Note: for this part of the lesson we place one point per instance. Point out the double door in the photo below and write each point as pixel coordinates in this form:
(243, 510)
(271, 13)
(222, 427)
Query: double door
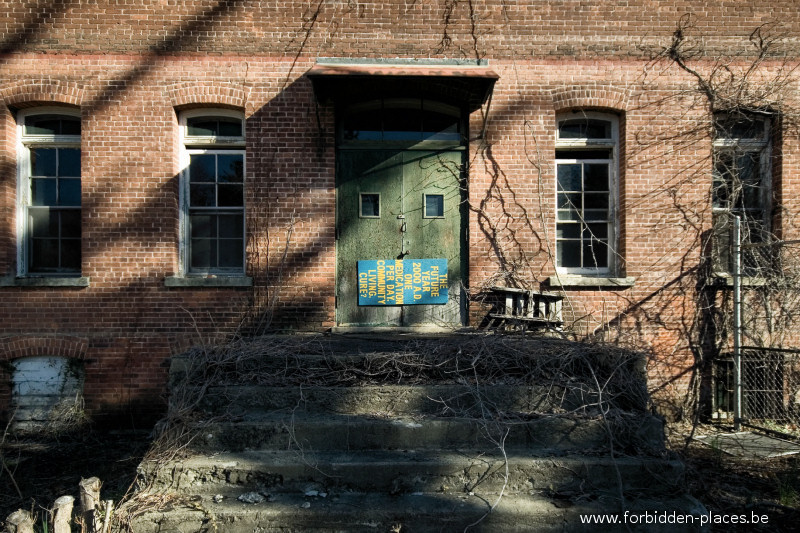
(404, 209)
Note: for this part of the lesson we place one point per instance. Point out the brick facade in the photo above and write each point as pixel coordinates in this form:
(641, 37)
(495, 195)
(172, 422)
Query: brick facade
(131, 67)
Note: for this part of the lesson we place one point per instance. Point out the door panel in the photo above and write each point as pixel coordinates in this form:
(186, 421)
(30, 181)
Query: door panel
(366, 172)
(433, 203)
(419, 217)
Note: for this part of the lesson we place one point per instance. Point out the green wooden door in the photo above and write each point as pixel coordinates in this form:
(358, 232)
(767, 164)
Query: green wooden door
(399, 204)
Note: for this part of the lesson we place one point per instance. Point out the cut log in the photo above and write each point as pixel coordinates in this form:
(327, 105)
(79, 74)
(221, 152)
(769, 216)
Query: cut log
(19, 522)
(90, 497)
(62, 514)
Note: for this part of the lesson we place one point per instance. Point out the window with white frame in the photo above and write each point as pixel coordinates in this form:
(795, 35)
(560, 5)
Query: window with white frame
(49, 192)
(587, 146)
(741, 184)
(212, 187)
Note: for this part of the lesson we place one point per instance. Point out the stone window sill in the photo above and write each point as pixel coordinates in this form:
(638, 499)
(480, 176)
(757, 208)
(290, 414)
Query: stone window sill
(591, 281)
(208, 281)
(44, 281)
(726, 280)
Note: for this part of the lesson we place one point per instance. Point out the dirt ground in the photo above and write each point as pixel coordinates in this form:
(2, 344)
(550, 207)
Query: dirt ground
(729, 485)
(35, 471)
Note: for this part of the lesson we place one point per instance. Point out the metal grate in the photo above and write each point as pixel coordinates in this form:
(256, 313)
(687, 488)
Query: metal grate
(770, 387)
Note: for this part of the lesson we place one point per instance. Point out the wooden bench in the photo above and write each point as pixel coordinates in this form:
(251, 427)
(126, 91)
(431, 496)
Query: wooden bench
(524, 309)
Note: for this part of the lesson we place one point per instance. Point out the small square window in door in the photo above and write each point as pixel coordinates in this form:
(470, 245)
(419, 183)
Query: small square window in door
(370, 205)
(434, 206)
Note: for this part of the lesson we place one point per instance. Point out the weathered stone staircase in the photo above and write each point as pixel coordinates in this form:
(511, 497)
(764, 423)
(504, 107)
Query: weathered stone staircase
(413, 456)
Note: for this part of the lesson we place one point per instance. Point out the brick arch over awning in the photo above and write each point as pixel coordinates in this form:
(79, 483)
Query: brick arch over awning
(467, 84)
(39, 91)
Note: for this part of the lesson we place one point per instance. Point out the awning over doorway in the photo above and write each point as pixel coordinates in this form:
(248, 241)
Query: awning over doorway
(465, 83)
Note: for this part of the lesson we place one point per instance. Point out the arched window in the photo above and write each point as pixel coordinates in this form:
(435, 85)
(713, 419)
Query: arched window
(50, 192)
(46, 391)
(587, 146)
(212, 187)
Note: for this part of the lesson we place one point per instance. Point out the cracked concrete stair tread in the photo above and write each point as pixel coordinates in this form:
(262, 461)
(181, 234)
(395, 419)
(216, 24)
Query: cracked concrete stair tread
(270, 430)
(416, 470)
(418, 512)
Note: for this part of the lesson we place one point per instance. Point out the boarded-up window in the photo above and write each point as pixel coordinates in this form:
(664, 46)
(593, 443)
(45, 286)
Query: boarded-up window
(46, 392)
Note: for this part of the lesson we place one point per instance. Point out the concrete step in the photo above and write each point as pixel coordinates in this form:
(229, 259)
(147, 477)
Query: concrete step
(400, 399)
(402, 472)
(352, 512)
(545, 435)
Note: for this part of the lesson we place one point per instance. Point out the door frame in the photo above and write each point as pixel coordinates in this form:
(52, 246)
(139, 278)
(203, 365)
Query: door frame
(436, 145)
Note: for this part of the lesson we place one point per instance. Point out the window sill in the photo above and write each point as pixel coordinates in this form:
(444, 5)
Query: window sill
(44, 281)
(726, 280)
(208, 281)
(571, 280)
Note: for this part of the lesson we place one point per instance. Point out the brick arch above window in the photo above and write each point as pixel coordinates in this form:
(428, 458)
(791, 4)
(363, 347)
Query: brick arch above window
(28, 346)
(601, 97)
(44, 91)
(194, 93)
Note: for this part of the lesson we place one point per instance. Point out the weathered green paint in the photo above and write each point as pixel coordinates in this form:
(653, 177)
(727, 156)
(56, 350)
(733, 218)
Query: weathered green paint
(402, 178)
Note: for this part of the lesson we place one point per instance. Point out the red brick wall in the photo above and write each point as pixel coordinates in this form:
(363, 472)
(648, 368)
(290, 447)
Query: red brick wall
(131, 66)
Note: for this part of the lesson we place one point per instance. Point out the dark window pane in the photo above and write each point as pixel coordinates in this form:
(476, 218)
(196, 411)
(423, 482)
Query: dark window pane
(595, 255)
(584, 128)
(42, 125)
(71, 254)
(604, 153)
(230, 127)
(69, 192)
(364, 126)
(230, 196)
(596, 231)
(70, 126)
(203, 254)
(595, 214)
(402, 124)
(569, 214)
(44, 161)
(751, 196)
(595, 200)
(52, 125)
(231, 168)
(231, 226)
(42, 224)
(569, 177)
(202, 168)
(44, 255)
(203, 226)
(370, 205)
(439, 126)
(43, 191)
(71, 224)
(569, 200)
(231, 253)
(202, 195)
(214, 127)
(569, 254)
(739, 126)
(568, 231)
(749, 167)
(434, 205)
(201, 127)
(69, 162)
(595, 177)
